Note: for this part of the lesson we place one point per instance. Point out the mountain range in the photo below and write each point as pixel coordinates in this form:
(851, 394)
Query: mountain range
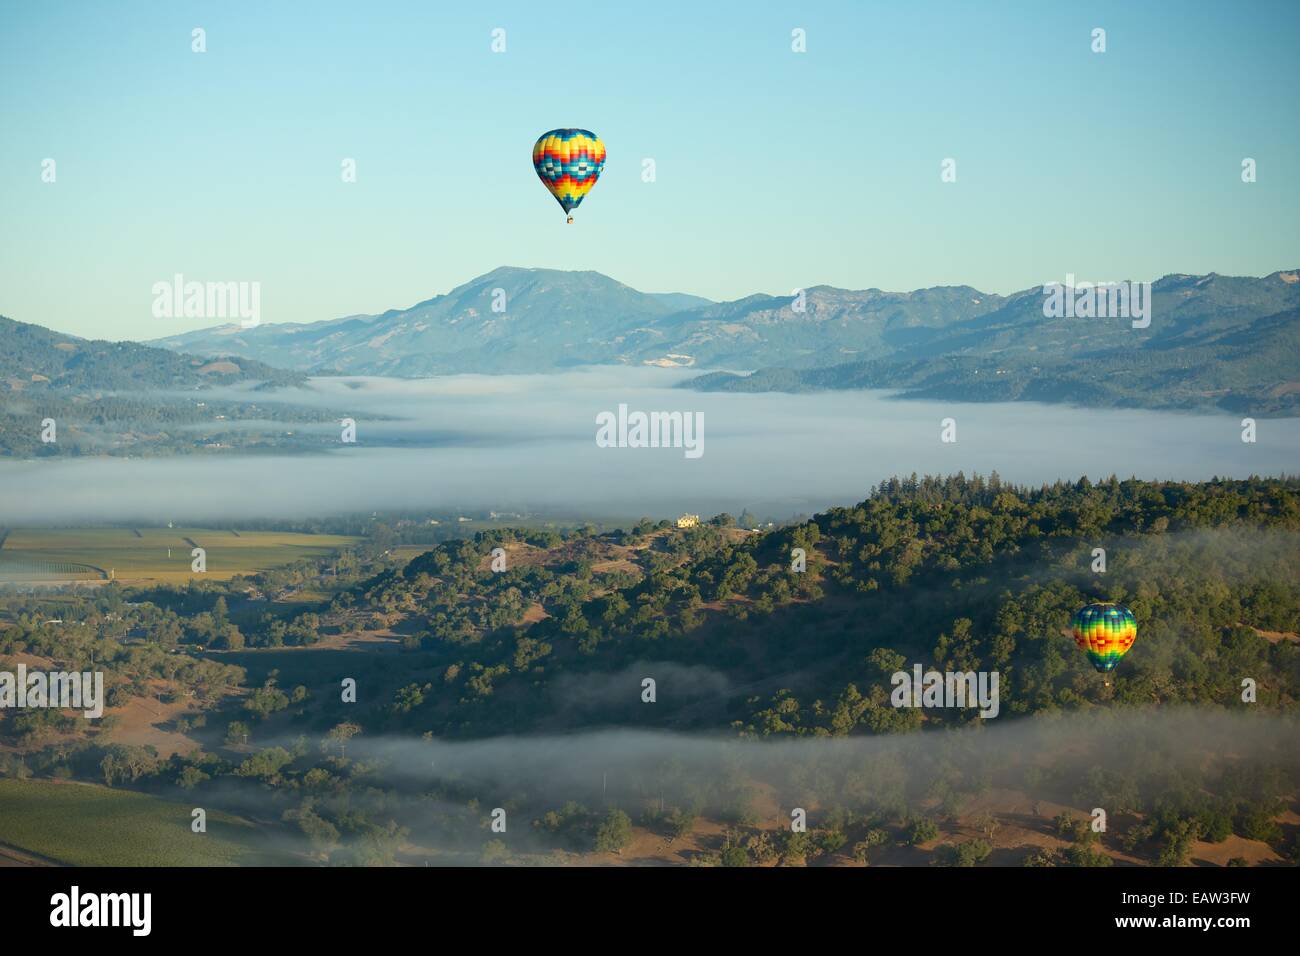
(551, 319)
(1214, 341)
(509, 320)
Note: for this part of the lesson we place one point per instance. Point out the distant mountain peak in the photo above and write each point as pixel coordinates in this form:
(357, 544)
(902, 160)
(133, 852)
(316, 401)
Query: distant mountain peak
(549, 319)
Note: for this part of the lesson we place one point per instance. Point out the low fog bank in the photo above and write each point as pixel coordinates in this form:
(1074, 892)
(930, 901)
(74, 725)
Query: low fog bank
(444, 793)
(527, 443)
(570, 765)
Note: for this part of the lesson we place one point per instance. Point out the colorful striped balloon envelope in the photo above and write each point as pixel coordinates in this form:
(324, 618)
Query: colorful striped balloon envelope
(568, 162)
(1106, 632)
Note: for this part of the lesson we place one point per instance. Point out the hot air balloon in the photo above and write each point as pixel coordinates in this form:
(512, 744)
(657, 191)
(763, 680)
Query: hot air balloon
(568, 162)
(1106, 632)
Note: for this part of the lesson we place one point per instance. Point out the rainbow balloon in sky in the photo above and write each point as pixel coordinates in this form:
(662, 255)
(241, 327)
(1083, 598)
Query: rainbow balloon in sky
(1106, 632)
(568, 162)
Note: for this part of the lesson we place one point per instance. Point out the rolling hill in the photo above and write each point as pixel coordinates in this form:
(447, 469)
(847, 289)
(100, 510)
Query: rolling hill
(34, 358)
(125, 398)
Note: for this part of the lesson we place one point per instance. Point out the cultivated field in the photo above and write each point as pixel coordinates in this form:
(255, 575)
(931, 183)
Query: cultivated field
(86, 825)
(151, 554)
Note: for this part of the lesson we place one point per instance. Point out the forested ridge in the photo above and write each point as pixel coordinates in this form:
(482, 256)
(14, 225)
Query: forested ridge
(956, 573)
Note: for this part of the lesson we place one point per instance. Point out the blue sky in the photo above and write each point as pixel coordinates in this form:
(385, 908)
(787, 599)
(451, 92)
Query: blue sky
(775, 170)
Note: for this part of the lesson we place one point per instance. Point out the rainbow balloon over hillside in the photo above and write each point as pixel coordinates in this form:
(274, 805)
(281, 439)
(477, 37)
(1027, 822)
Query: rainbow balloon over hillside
(568, 162)
(1106, 632)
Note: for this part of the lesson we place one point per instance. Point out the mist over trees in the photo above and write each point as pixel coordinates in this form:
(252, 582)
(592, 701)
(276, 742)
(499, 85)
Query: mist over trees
(770, 684)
